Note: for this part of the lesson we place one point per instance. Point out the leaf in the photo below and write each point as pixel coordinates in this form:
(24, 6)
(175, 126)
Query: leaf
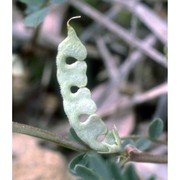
(33, 5)
(115, 170)
(87, 173)
(92, 165)
(79, 166)
(58, 1)
(34, 2)
(75, 161)
(152, 177)
(156, 128)
(98, 164)
(130, 173)
(34, 19)
(142, 144)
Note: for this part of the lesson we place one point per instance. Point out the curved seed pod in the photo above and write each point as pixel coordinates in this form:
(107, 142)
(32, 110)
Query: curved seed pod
(80, 103)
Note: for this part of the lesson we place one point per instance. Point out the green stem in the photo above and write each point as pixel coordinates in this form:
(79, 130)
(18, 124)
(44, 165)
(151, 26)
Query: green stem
(135, 137)
(48, 136)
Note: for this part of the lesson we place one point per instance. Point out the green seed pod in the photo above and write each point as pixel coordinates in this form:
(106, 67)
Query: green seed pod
(80, 103)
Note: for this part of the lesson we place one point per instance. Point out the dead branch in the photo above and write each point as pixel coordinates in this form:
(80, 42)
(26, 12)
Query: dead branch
(108, 59)
(151, 94)
(123, 71)
(157, 25)
(119, 31)
(91, 29)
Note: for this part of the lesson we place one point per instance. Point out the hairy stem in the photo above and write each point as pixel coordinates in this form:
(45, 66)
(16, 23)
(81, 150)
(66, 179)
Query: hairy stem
(135, 155)
(145, 157)
(132, 154)
(48, 136)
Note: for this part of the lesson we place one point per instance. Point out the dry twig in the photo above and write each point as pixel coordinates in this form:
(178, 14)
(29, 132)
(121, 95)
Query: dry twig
(91, 29)
(123, 71)
(147, 16)
(119, 31)
(108, 59)
(150, 94)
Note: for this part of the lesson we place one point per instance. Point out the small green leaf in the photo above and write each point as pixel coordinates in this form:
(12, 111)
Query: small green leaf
(142, 144)
(98, 164)
(92, 166)
(80, 166)
(34, 19)
(87, 173)
(156, 128)
(75, 161)
(152, 178)
(28, 1)
(33, 2)
(58, 1)
(33, 5)
(115, 170)
(130, 173)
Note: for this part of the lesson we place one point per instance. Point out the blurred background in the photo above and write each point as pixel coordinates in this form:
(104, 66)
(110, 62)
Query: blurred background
(127, 75)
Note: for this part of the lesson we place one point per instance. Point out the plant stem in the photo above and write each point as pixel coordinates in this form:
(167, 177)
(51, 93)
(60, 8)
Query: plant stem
(138, 156)
(132, 154)
(49, 136)
(145, 157)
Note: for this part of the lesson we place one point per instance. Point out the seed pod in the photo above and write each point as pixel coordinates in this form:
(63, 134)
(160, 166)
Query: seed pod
(79, 103)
